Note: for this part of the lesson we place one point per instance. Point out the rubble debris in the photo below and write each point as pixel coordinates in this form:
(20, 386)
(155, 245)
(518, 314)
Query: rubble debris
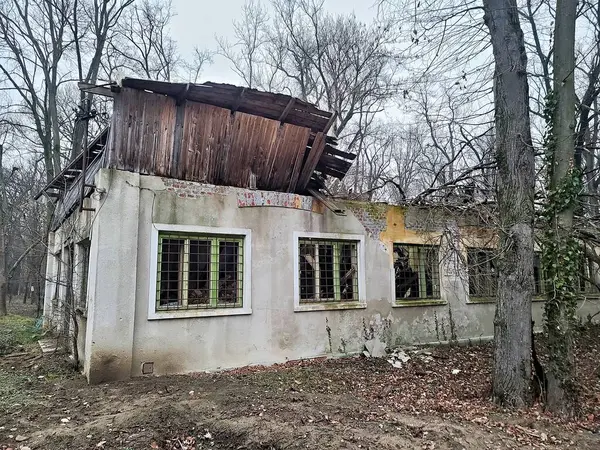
(401, 356)
(397, 358)
(376, 348)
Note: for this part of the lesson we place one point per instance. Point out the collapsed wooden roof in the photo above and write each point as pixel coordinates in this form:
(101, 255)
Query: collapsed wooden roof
(211, 133)
(225, 135)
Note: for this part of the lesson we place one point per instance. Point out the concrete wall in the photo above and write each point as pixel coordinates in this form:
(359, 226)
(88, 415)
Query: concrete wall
(122, 332)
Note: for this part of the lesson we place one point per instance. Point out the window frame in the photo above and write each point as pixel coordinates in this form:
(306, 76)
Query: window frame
(538, 294)
(207, 232)
(83, 248)
(587, 289)
(360, 302)
(434, 299)
(479, 298)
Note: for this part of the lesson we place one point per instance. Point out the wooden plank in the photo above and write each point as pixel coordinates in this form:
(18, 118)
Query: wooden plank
(264, 104)
(311, 162)
(93, 89)
(299, 159)
(287, 109)
(291, 142)
(334, 162)
(334, 151)
(238, 100)
(203, 140)
(330, 122)
(330, 171)
(268, 153)
(70, 200)
(178, 139)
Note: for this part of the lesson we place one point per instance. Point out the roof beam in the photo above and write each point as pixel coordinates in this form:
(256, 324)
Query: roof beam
(287, 109)
(94, 89)
(327, 202)
(329, 123)
(183, 94)
(238, 100)
(311, 162)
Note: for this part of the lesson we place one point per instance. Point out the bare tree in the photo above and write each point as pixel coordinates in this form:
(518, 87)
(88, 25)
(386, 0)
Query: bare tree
(34, 39)
(515, 156)
(347, 66)
(200, 59)
(92, 26)
(144, 46)
(246, 52)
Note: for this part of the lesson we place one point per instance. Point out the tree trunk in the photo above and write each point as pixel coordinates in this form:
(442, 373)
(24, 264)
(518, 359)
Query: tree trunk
(562, 253)
(3, 275)
(515, 159)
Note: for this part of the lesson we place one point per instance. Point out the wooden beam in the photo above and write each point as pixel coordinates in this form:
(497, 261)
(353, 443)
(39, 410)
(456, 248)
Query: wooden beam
(98, 90)
(183, 94)
(178, 139)
(327, 202)
(330, 150)
(330, 123)
(287, 109)
(238, 101)
(311, 162)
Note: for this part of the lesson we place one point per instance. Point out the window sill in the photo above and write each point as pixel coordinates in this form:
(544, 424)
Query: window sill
(539, 298)
(419, 302)
(478, 300)
(329, 306)
(190, 313)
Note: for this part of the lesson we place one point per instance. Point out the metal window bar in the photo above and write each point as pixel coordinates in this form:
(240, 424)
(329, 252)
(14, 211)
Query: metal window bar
(588, 272)
(328, 270)
(483, 277)
(417, 271)
(58, 279)
(199, 271)
(538, 276)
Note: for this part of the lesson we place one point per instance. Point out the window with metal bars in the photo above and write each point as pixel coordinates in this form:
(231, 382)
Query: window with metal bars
(199, 271)
(417, 271)
(483, 276)
(588, 273)
(328, 270)
(538, 277)
(83, 271)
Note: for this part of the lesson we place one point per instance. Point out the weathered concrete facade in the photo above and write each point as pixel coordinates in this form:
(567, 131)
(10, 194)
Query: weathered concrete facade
(122, 331)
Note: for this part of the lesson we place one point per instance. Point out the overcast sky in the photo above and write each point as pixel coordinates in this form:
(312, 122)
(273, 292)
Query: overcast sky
(198, 21)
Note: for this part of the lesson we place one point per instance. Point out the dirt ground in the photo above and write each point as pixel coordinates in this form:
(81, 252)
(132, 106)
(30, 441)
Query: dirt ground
(348, 403)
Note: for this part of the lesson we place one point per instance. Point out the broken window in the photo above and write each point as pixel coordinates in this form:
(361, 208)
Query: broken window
(328, 270)
(483, 277)
(199, 271)
(417, 272)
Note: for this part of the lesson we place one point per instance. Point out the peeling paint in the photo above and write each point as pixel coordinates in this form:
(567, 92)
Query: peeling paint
(277, 199)
(372, 216)
(189, 189)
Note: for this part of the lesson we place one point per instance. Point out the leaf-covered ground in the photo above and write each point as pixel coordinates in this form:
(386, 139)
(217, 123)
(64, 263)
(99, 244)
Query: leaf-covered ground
(439, 399)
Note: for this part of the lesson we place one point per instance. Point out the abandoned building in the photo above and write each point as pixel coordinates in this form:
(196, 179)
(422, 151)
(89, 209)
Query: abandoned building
(193, 234)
